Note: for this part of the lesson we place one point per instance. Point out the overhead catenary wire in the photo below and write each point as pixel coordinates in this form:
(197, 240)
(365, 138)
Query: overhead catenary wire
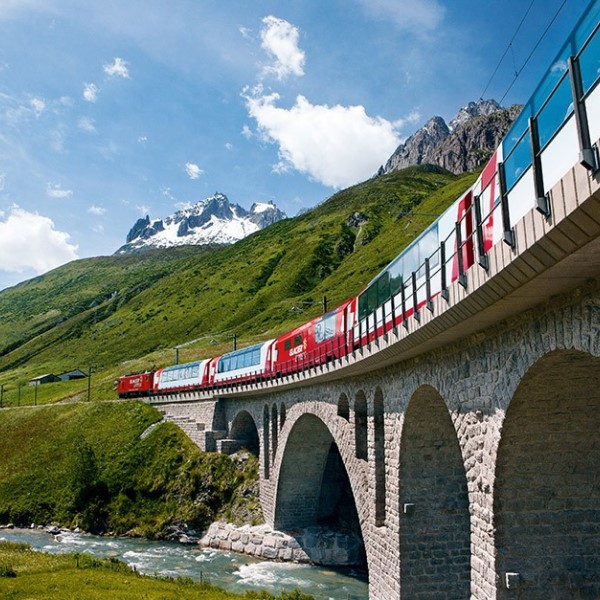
(509, 48)
(534, 49)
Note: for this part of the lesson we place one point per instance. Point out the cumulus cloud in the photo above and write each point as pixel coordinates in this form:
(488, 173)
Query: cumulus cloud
(280, 40)
(117, 69)
(90, 92)
(409, 15)
(56, 191)
(193, 170)
(31, 241)
(335, 145)
(247, 132)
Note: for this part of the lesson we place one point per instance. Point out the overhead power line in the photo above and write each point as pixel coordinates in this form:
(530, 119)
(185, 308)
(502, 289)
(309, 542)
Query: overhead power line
(509, 48)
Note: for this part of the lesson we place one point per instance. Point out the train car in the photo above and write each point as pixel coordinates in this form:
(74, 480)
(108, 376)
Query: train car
(134, 385)
(316, 342)
(439, 256)
(181, 378)
(241, 366)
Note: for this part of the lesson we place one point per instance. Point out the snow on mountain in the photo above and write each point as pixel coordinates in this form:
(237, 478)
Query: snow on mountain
(211, 221)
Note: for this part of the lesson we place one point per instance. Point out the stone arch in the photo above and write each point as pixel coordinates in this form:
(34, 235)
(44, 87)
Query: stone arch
(244, 433)
(343, 407)
(266, 443)
(314, 489)
(360, 426)
(434, 504)
(547, 482)
(379, 435)
(274, 429)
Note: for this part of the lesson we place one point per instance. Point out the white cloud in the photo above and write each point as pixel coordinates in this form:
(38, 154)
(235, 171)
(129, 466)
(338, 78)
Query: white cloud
(193, 170)
(409, 15)
(90, 92)
(31, 241)
(280, 39)
(117, 68)
(228, 146)
(142, 139)
(245, 31)
(96, 210)
(86, 124)
(247, 132)
(335, 145)
(143, 209)
(56, 191)
(38, 106)
(2, 182)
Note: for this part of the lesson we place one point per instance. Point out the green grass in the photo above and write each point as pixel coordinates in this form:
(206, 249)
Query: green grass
(85, 464)
(125, 313)
(25, 574)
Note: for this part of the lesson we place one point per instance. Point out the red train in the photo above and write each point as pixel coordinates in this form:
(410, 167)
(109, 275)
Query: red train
(439, 256)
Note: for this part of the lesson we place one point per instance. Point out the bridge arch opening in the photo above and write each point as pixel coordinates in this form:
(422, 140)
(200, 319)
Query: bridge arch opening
(547, 487)
(266, 443)
(282, 416)
(274, 429)
(360, 425)
(434, 506)
(379, 431)
(343, 407)
(244, 433)
(314, 493)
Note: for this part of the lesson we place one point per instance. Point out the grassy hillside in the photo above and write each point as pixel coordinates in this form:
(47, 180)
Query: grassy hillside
(86, 464)
(126, 313)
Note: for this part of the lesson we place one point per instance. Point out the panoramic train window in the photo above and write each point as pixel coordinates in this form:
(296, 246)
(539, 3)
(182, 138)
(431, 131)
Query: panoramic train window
(325, 328)
(247, 357)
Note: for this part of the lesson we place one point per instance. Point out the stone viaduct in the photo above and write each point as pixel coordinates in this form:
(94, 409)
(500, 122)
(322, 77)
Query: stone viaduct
(464, 450)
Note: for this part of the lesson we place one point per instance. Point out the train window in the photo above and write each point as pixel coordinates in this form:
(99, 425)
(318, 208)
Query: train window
(287, 345)
(556, 110)
(429, 245)
(298, 340)
(363, 307)
(325, 328)
(395, 274)
(383, 288)
(372, 297)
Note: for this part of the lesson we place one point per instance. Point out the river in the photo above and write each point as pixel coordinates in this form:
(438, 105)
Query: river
(234, 572)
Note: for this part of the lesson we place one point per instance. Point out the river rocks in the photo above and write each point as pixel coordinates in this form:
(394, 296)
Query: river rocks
(257, 540)
(311, 545)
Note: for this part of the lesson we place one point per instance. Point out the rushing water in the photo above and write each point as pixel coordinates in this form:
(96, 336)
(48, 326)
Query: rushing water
(234, 572)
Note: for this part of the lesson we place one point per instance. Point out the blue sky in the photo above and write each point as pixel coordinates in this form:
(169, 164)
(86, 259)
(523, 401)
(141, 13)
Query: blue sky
(113, 110)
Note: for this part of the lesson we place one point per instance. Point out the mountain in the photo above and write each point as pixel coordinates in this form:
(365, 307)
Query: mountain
(462, 145)
(211, 221)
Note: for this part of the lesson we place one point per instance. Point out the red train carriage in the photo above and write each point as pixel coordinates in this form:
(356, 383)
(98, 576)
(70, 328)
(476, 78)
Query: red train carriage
(313, 343)
(135, 384)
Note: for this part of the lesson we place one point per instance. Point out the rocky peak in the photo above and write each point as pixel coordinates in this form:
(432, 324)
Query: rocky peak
(474, 109)
(463, 145)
